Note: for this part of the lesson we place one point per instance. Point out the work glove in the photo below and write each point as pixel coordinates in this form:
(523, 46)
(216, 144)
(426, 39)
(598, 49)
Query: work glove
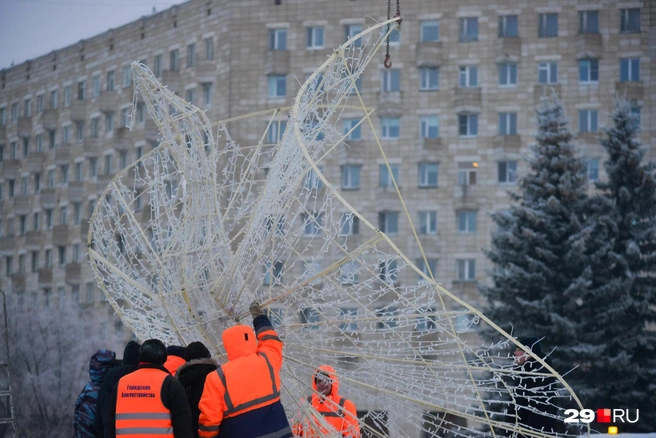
(256, 310)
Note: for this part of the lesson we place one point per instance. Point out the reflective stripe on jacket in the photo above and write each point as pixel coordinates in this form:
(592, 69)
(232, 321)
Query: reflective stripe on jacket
(140, 412)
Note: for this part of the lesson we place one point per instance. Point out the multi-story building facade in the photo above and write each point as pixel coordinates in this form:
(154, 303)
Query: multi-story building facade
(456, 113)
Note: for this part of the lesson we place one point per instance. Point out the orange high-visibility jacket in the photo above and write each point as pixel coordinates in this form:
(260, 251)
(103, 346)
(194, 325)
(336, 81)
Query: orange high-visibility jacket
(140, 412)
(173, 363)
(337, 411)
(248, 381)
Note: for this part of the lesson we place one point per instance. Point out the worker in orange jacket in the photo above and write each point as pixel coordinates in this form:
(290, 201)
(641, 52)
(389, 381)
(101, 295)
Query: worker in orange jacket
(149, 402)
(337, 412)
(242, 397)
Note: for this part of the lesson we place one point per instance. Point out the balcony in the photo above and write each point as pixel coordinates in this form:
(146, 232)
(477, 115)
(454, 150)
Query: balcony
(546, 90)
(92, 146)
(171, 78)
(591, 138)
(206, 70)
(18, 281)
(33, 238)
(354, 149)
(75, 190)
(73, 272)
(48, 197)
(24, 126)
(508, 49)
(588, 45)
(22, 204)
(429, 54)
(45, 276)
(79, 110)
(60, 235)
(431, 144)
(151, 130)
(63, 154)
(49, 119)
(8, 243)
(390, 103)
(629, 90)
(466, 192)
(84, 230)
(108, 101)
(35, 161)
(467, 98)
(3, 132)
(508, 143)
(11, 168)
(276, 62)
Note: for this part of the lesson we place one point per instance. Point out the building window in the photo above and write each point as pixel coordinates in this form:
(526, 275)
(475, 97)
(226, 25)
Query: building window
(588, 120)
(37, 182)
(352, 129)
(629, 69)
(350, 31)
(507, 172)
(9, 268)
(429, 78)
(466, 269)
(49, 219)
(63, 171)
(467, 221)
(39, 143)
(385, 177)
(429, 31)
(63, 216)
(507, 75)
(387, 317)
(390, 80)
(630, 20)
(35, 261)
(191, 54)
(547, 25)
(588, 21)
(388, 271)
(27, 108)
(127, 76)
(51, 178)
(81, 90)
(10, 226)
(110, 80)
(349, 225)
(430, 269)
(548, 73)
(272, 272)
(76, 253)
(507, 123)
(108, 164)
(207, 93)
(13, 151)
(350, 317)
(109, 122)
(26, 146)
(278, 39)
(36, 217)
(79, 131)
(66, 135)
(189, 95)
(61, 250)
(467, 173)
(593, 169)
(427, 222)
(312, 224)
(54, 95)
(315, 37)
(91, 207)
(77, 213)
(469, 29)
(428, 175)
(589, 71)
(310, 318)
(508, 26)
(93, 167)
(174, 59)
(390, 127)
(277, 86)
(95, 123)
(39, 104)
(22, 225)
(429, 127)
(24, 185)
(68, 97)
(312, 180)
(351, 177)
(468, 125)
(468, 76)
(209, 48)
(90, 293)
(388, 222)
(78, 171)
(123, 159)
(276, 131)
(48, 258)
(157, 66)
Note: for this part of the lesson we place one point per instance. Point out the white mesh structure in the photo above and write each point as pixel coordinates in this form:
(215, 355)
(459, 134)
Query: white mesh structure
(187, 237)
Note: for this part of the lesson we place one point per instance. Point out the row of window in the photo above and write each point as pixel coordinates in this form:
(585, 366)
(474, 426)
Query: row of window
(429, 30)
(47, 298)
(46, 219)
(387, 271)
(36, 263)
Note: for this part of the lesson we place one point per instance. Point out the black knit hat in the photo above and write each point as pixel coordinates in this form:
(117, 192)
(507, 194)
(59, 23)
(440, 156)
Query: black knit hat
(175, 350)
(196, 350)
(131, 353)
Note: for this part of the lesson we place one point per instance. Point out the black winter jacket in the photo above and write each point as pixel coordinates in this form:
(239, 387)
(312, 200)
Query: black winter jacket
(109, 385)
(192, 376)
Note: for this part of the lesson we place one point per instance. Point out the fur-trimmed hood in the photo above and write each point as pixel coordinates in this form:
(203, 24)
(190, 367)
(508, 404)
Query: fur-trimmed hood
(191, 372)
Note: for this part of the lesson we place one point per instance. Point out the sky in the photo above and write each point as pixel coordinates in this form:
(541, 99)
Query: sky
(32, 28)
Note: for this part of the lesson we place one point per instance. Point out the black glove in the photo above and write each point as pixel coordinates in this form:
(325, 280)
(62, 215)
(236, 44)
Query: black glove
(256, 310)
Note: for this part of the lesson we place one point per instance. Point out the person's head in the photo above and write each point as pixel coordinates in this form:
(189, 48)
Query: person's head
(131, 353)
(153, 351)
(196, 350)
(323, 382)
(239, 341)
(175, 350)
